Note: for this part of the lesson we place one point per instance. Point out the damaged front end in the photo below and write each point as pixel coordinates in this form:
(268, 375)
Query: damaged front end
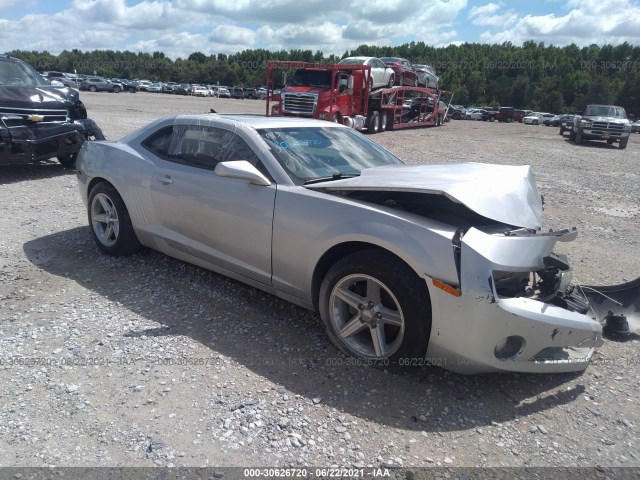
(524, 313)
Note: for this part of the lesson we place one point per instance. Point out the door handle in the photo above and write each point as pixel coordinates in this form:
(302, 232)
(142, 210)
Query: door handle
(166, 180)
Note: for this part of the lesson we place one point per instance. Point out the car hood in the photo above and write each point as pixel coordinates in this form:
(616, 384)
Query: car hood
(47, 96)
(606, 119)
(504, 193)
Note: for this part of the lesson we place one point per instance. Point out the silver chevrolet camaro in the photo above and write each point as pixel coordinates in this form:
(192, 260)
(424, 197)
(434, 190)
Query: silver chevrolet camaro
(407, 265)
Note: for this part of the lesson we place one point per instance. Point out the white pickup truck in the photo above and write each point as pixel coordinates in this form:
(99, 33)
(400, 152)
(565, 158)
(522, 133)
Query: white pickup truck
(602, 122)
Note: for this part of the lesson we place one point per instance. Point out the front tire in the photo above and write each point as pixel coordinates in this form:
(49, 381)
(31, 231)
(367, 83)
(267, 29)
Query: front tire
(383, 121)
(392, 80)
(93, 88)
(623, 143)
(376, 308)
(373, 122)
(110, 223)
(116, 89)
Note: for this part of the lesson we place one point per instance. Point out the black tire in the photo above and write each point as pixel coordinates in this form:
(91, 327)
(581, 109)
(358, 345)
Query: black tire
(68, 160)
(110, 223)
(383, 121)
(373, 122)
(579, 138)
(133, 90)
(561, 130)
(535, 122)
(457, 116)
(399, 295)
(509, 119)
(116, 89)
(93, 88)
(623, 143)
(392, 80)
(572, 135)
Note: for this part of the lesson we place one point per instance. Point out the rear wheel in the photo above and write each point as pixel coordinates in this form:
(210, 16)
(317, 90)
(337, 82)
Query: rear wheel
(110, 223)
(93, 88)
(373, 122)
(376, 308)
(116, 89)
(383, 121)
(456, 116)
(392, 80)
(535, 122)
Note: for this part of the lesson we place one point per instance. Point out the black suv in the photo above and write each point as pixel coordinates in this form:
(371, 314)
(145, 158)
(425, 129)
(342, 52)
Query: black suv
(37, 120)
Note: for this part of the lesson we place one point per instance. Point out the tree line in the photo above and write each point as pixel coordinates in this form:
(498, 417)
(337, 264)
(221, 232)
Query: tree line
(530, 76)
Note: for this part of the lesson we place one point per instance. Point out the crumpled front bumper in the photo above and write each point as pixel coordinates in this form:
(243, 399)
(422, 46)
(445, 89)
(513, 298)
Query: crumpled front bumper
(480, 331)
(32, 142)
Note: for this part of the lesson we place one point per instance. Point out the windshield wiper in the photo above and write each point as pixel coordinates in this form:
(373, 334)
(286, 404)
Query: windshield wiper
(335, 176)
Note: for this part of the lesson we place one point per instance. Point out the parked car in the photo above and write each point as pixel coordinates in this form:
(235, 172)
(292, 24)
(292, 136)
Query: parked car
(224, 92)
(39, 121)
(477, 114)
(143, 85)
(200, 91)
(182, 89)
(262, 93)
(154, 88)
(533, 119)
(251, 93)
(456, 112)
(403, 69)
(95, 84)
(565, 123)
(402, 262)
(635, 127)
(127, 85)
(237, 92)
(426, 76)
(168, 87)
(382, 75)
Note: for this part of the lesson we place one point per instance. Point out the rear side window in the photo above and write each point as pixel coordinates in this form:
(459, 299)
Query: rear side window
(158, 143)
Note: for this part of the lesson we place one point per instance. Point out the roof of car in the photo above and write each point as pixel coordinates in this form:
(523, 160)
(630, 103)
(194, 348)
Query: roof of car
(255, 121)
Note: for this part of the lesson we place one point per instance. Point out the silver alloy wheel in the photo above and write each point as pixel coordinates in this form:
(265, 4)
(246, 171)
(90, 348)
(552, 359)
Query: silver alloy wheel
(104, 220)
(366, 316)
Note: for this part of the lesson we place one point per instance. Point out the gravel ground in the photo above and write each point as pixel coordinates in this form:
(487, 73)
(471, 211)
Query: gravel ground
(148, 361)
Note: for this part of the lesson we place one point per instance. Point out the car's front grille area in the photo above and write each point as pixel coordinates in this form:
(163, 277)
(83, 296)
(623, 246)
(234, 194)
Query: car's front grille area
(608, 126)
(301, 103)
(49, 115)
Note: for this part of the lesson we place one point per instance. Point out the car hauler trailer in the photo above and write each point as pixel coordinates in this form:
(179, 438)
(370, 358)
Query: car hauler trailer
(340, 93)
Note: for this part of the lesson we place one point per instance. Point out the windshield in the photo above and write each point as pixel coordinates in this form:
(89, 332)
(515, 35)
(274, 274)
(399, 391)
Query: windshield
(18, 73)
(605, 111)
(311, 78)
(307, 153)
(352, 61)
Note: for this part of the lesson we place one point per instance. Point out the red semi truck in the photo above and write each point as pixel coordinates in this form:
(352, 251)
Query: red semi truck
(340, 93)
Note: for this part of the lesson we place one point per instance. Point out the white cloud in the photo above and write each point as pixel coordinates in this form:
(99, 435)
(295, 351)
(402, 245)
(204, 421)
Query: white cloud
(491, 14)
(488, 9)
(586, 22)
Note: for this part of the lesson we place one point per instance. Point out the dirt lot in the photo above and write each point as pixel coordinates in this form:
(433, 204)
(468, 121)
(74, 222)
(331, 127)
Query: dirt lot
(147, 361)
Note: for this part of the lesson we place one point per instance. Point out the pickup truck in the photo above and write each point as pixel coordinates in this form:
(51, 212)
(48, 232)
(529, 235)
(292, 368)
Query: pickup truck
(40, 120)
(602, 122)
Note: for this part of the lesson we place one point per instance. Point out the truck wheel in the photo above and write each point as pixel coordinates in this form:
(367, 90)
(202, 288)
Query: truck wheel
(510, 120)
(579, 136)
(375, 307)
(373, 122)
(383, 121)
(623, 143)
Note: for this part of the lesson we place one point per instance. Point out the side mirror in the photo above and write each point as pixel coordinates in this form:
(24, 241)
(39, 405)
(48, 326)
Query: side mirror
(242, 170)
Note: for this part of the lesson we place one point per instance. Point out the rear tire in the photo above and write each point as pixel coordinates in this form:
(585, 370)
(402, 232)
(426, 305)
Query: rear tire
(110, 223)
(383, 121)
(535, 122)
(116, 89)
(92, 88)
(376, 308)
